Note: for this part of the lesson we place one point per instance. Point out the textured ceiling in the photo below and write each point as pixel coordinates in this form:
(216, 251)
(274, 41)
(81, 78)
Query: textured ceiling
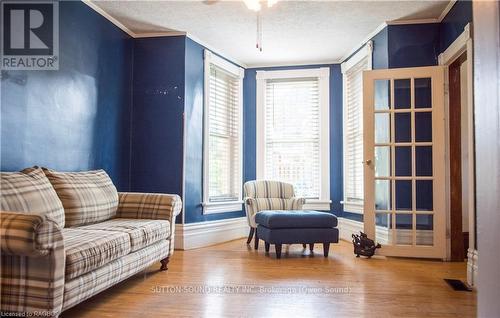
(294, 32)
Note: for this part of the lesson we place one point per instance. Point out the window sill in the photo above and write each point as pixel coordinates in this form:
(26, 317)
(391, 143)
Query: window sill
(221, 207)
(317, 205)
(353, 207)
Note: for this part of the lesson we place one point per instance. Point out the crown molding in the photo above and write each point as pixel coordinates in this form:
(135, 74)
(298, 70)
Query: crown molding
(364, 42)
(447, 10)
(292, 64)
(415, 21)
(106, 15)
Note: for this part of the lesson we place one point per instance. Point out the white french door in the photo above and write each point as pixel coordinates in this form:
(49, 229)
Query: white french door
(404, 167)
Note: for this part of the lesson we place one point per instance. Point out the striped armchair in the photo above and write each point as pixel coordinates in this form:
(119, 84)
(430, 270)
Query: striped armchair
(263, 195)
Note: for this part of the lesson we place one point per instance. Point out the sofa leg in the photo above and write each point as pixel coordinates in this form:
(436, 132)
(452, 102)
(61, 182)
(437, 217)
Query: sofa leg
(256, 245)
(250, 235)
(278, 250)
(326, 249)
(267, 245)
(164, 263)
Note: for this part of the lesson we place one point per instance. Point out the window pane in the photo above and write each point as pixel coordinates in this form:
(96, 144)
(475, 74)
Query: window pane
(382, 161)
(382, 94)
(403, 161)
(402, 93)
(353, 132)
(423, 93)
(423, 126)
(402, 127)
(382, 128)
(403, 195)
(292, 132)
(423, 160)
(224, 162)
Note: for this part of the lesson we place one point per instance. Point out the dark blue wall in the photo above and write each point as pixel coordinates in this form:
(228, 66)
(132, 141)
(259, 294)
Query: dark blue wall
(76, 118)
(413, 45)
(380, 59)
(194, 77)
(454, 22)
(157, 116)
(336, 160)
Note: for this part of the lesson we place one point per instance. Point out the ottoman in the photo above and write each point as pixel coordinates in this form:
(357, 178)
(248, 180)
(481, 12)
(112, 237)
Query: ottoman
(297, 226)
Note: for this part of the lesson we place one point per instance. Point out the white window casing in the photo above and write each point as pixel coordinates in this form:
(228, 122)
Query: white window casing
(293, 131)
(222, 136)
(352, 74)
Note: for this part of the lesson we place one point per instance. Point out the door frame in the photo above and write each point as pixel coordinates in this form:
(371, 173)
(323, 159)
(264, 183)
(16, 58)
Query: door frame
(463, 44)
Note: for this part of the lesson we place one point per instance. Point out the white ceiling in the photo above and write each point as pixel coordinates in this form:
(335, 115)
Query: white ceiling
(294, 32)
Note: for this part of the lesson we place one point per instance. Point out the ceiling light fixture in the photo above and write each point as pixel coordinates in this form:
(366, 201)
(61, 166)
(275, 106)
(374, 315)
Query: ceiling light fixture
(255, 5)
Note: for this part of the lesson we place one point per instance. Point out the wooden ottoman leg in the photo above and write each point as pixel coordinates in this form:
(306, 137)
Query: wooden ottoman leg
(304, 246)
(267, 246)
(278, 250)
(256, 246)
(164, 263)
(311, 247)
(250, 235)
(326, 249)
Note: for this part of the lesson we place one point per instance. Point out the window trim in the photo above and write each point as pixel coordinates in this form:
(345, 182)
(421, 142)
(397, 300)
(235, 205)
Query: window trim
(323, 74)
(238, 72)
(365, 52)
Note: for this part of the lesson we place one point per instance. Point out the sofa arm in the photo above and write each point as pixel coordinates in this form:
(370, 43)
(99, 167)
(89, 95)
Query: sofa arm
(31, 235)
(33, 265)
(156, 206)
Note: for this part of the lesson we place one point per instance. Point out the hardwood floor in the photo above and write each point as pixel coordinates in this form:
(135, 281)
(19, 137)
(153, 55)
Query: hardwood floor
(293, 286)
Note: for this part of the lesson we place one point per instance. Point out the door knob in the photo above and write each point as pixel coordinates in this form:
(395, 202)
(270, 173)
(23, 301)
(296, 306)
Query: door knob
(367, 162)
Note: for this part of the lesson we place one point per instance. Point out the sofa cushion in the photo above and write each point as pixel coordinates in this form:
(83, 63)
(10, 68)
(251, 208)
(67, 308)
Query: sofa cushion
(142, 232)
(295, 219)
(30, 191)
(88, 197)
(87, 250)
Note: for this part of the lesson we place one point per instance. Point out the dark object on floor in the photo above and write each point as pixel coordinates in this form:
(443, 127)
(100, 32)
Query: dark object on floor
(457, 285)
(363, 245)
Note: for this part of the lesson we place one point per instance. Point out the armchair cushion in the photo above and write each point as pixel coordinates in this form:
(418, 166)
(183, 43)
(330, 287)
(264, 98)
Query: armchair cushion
(142, 232)
(30, 191)
(87, 196)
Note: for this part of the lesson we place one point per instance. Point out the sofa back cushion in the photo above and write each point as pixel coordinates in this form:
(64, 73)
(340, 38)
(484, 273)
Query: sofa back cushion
(30, 191)
(88, 197)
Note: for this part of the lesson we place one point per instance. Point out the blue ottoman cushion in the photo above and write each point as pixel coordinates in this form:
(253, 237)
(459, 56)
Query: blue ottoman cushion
(295, 219)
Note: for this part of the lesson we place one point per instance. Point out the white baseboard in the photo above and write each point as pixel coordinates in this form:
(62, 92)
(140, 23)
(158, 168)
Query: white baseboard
(472, 267)
(200, 234)
(348, 227)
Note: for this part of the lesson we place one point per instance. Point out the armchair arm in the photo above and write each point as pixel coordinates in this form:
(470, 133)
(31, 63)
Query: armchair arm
(33, 264)
(25, 234)
(297, 203)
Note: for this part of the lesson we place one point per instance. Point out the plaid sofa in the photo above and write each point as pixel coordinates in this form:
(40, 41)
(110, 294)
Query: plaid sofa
(68, 236)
